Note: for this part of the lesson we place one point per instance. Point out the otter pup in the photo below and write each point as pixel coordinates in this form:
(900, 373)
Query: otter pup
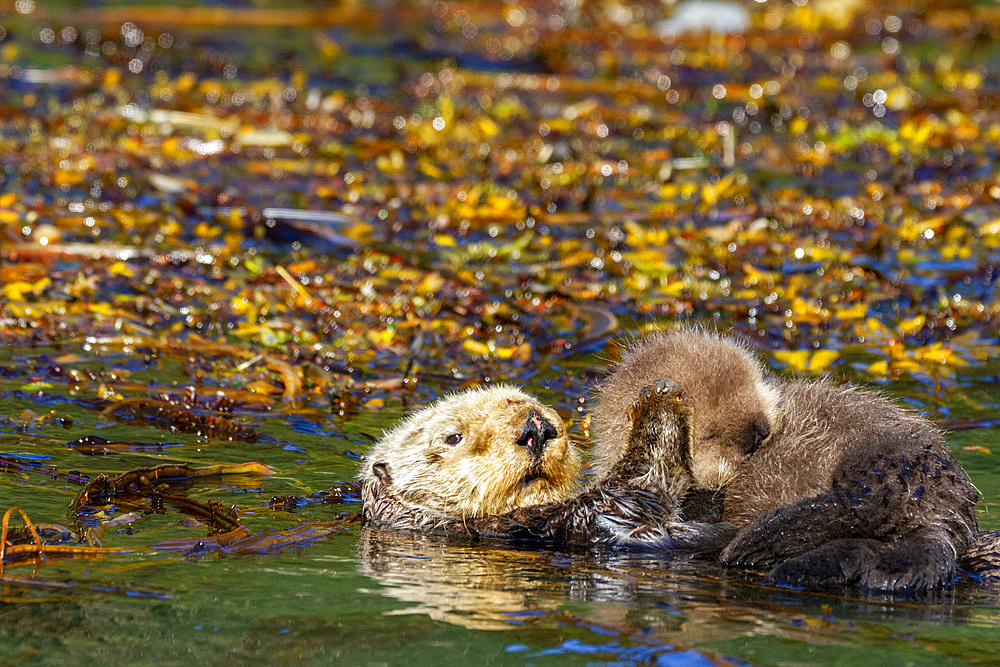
(495, 462)
(734, 404)
(829, 485)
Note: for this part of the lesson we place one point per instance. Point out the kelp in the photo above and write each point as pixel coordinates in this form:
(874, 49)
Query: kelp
(151, 484)
(13, 551)
(308, 226)
(143, 411)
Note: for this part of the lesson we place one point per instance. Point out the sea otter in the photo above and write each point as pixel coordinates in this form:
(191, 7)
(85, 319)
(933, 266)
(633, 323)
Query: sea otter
(495, 462)
(829, 485)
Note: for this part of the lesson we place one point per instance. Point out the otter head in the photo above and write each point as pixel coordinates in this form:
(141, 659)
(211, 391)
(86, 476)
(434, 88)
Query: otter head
(733, 405)
(484, 451)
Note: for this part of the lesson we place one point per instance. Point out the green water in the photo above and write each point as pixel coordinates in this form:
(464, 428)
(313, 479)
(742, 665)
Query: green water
(367, 597)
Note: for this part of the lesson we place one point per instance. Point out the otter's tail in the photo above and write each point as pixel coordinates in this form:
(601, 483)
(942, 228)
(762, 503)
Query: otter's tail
(983, 557)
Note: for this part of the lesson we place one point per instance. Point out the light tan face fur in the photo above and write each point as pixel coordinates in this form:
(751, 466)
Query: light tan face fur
(484, 471)
(733, 404)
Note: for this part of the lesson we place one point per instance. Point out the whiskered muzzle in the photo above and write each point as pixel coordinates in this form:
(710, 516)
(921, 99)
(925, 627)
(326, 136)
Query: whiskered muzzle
(536, 433)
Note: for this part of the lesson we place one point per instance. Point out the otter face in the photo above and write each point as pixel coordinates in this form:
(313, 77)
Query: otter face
(481, 452)
(731, 419)
(733, 405)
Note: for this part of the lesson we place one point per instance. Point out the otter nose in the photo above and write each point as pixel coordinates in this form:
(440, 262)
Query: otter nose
(536, 432)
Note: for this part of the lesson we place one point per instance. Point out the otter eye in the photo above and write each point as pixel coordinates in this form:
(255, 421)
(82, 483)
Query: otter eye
(453, 439)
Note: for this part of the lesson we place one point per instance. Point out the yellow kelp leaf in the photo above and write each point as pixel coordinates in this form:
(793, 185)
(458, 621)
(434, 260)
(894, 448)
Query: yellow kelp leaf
(431, 283)
(855, 312)
(912, 230)
(807, 360)
(755, 276)
(912, 325)
(487, 127)
(381, 338)
(879, 367)
(803, 310)
(120, 268)
(520, 352)
(954, 251)
(429, 169)
(937, 353)
(638, 282)
(262, 387)
(711, 193)
(917, 132)
(990, 228)
(16, 290)
(392, 163)
(476, 347)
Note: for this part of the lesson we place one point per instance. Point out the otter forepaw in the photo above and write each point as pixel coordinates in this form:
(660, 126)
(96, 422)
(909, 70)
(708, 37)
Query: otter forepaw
(660, 427)
(662, 387)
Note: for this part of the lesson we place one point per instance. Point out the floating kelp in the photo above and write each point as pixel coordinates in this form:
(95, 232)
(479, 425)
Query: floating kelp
(28, 544)
(151, 484)
(146, 412)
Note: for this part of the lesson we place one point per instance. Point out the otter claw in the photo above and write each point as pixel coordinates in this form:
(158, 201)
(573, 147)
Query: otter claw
(668, 387)
(663, 387)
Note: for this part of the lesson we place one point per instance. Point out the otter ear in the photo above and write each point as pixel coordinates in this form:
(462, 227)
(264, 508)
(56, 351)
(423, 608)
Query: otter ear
(381, 470)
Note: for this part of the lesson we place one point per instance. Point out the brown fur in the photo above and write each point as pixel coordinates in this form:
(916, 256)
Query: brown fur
(734, 403)
(846, 489)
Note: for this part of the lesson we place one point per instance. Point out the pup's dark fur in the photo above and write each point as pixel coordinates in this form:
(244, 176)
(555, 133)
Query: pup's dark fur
(845, 489)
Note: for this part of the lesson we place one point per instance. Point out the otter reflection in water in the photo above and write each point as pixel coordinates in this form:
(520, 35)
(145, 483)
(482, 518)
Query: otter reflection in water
(502, 585)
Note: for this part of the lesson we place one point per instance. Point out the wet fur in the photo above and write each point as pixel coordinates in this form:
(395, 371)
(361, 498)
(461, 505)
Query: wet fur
(847, 489)
(634, 505)
(734, 403)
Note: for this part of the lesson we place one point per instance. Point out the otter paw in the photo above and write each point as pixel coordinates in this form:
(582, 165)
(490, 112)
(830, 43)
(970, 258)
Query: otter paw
(665, 388)
(660, 428)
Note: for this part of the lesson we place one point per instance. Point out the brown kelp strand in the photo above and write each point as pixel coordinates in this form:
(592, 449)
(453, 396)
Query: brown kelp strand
(176, 419)
(151, 484)
(102, 492)
(33, 547)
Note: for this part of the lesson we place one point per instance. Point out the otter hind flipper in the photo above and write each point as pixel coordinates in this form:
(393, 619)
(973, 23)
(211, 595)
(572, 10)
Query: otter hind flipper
(832, 565)
(814, 544)
(788, 532)
(921, 561)
(982, 559)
